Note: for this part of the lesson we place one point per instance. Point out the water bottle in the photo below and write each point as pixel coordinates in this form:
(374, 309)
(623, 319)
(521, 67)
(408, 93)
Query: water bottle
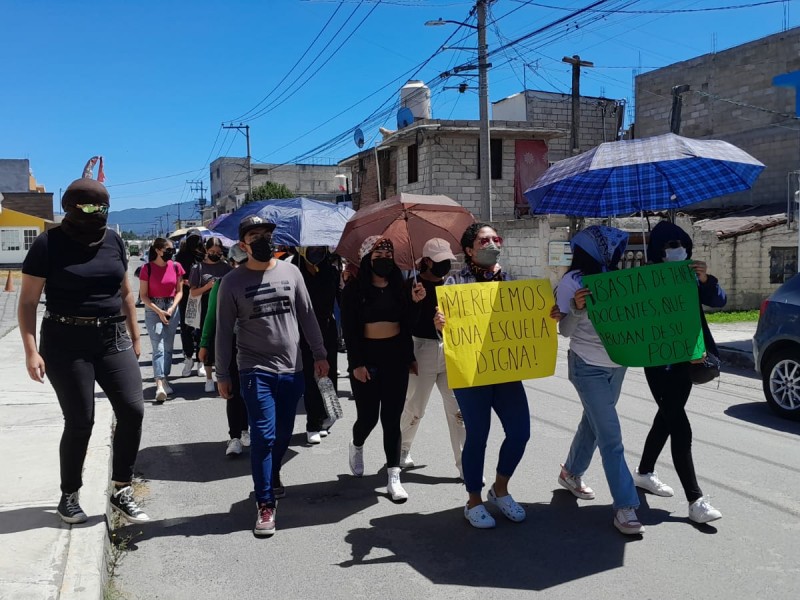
(331, 400)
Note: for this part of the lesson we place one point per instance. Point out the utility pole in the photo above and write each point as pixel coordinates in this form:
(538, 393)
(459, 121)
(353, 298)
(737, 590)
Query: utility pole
(483, 94)
(574, 134)
(246, 128)
(199, 186)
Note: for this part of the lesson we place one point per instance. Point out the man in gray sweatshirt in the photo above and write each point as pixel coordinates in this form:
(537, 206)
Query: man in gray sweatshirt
(264, 301)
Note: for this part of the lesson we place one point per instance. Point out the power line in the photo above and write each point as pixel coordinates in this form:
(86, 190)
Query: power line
(665, 11)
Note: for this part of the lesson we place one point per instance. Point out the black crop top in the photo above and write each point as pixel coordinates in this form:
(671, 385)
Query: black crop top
(381, 305)
(80, 280)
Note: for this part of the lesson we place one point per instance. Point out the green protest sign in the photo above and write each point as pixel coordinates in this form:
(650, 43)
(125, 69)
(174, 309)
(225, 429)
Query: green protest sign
(647, 316)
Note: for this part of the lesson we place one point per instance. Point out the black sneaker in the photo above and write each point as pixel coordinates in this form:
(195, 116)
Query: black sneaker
(277, 487)
(122, 501)
(69, 510)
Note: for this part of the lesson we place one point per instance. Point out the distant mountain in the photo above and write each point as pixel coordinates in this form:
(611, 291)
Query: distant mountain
(143, 220)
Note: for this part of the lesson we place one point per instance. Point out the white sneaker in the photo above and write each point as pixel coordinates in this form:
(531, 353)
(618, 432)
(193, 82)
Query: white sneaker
(161, 393)
(313, 437)
(245, 439)
(188, 366)
(201, 370)
(405, 459)
(323, 433)
(701, 511)
(356, 459)
(394, 487)
(626, 521)
(210, 387)
(575, 484)
(167, 387)
(234, 447)
(651, 483)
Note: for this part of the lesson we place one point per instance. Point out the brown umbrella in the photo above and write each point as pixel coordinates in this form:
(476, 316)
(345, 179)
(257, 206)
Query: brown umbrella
(409, 220)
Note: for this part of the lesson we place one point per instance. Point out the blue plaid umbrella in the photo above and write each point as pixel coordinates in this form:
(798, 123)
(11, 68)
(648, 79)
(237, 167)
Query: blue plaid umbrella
(298, 221)
(658, 173)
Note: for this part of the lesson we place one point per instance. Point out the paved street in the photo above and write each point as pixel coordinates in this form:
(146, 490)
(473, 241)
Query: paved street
(341, 537)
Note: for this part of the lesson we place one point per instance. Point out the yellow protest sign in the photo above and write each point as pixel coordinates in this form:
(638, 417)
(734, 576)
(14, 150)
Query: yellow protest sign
(498, 331)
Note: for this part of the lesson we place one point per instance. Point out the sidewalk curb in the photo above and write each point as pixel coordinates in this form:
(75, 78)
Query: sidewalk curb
(85, 569)
(736, 357)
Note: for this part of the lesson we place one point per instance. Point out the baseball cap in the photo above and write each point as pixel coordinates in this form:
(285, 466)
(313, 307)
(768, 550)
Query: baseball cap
(437, 250)
(253, 222)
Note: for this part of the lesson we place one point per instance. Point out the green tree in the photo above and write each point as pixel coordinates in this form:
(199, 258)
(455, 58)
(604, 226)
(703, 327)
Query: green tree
(129, 235)
(269, 191)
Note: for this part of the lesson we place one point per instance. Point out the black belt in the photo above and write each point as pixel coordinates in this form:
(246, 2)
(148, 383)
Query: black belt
(83, 321)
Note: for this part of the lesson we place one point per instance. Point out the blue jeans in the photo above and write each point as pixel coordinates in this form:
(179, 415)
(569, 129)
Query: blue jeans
(271, 400)
(599, 389)
(162, 337)
(511, 406)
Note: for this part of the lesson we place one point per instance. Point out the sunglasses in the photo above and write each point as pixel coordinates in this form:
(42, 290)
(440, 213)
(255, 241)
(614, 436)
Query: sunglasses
(93, 208)
(484, 241)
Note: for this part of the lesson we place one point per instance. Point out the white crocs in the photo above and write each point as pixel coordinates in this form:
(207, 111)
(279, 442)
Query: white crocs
(511, 509)
(479, 517)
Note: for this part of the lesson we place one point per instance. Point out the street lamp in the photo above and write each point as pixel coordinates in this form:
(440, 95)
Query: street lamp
(483, 99)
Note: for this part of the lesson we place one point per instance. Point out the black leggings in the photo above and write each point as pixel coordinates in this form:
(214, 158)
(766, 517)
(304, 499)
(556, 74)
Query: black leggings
(671, 389)
(315, 406)
(383, 395)
(235, 408)
(75, 357)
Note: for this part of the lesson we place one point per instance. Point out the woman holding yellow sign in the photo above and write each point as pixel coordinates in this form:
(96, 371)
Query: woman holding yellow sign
(481, 245)
(597, 379)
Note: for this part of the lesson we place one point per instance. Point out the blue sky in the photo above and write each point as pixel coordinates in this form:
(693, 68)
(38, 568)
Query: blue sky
(147, 84)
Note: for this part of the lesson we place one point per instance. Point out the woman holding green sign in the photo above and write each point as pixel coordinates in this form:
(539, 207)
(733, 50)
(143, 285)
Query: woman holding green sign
(672, 384)
(597, 379)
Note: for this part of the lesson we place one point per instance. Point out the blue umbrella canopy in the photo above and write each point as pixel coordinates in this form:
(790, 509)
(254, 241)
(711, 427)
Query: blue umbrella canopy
(629, 176)
(298, 221)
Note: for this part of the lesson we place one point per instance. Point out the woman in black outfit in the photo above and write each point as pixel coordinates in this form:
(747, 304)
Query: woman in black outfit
(190, 252)
(377, 314)
(671, 385)
(89, 334)
(321, 277)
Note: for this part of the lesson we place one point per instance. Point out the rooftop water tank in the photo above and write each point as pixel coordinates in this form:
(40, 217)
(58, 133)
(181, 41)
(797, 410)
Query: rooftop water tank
(416, 96)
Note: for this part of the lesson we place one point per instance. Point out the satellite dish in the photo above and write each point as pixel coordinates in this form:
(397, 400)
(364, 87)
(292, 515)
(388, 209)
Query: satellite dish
(358, 137)
(404, 117)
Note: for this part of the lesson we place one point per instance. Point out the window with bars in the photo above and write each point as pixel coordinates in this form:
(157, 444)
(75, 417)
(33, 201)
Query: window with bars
(28, 235)
(782, 264)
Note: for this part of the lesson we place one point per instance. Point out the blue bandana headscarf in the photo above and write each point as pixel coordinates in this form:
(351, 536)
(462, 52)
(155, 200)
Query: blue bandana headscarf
(601, 243)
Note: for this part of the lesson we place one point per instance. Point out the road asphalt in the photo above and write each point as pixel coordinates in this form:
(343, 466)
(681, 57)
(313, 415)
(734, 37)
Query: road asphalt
(41, 556)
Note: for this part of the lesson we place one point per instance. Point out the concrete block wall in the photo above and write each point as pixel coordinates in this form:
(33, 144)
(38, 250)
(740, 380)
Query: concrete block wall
(742, 263)
(554, 111)
(732, 98)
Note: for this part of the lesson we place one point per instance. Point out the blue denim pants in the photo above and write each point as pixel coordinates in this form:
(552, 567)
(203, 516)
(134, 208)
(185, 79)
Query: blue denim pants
(271, 400)
(162, 337)
(599, 389)
(509, 402)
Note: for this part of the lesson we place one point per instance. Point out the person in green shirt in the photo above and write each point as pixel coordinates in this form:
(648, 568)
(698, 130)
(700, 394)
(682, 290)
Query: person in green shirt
(235, 407)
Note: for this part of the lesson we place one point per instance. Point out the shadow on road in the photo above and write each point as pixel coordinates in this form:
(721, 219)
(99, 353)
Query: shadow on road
(558, 542)
(37, 517)
(759, 413)
(199, 462)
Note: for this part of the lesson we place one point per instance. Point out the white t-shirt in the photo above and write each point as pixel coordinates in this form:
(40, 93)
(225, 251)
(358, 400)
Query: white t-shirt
(583, 340)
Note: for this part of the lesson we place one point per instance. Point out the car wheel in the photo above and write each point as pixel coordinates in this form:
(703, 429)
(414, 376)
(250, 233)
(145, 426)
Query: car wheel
(781, 379)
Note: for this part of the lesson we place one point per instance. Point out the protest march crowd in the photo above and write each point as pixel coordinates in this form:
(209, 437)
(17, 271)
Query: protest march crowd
(267, 322)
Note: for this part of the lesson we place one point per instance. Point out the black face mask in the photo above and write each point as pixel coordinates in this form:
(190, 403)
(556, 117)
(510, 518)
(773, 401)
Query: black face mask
(262, 249)
(316, 255)
(382, 266)
(440, 269)
(214, 257)
(88, 229)
(168, 254)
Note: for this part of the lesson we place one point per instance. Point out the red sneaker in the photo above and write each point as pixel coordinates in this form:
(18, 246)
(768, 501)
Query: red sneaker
(265, 520)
